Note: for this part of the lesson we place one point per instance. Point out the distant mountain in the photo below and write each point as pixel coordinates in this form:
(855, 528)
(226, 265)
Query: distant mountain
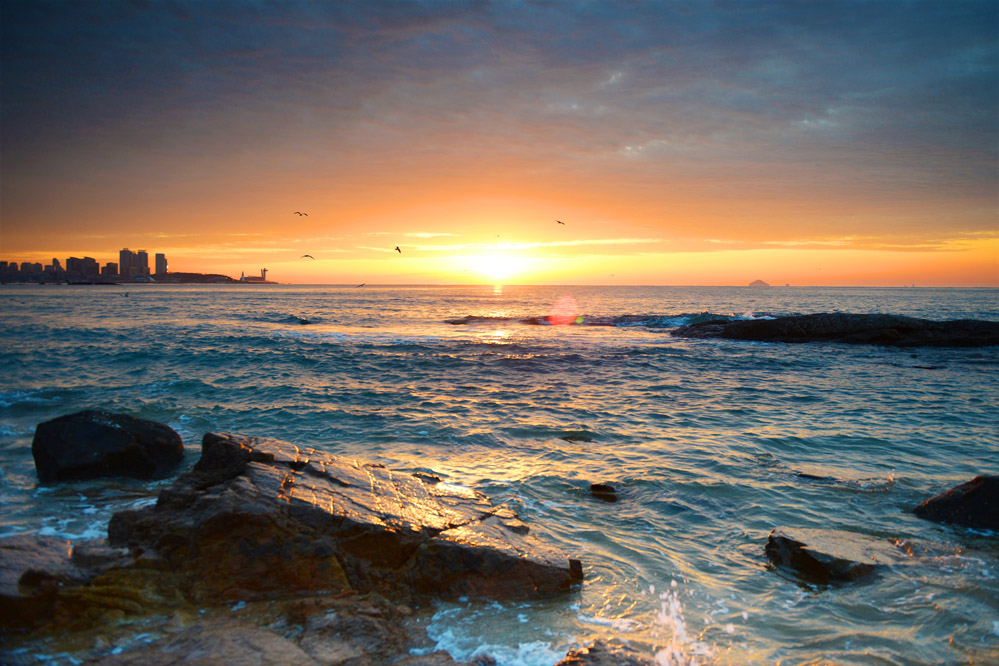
(758, 283)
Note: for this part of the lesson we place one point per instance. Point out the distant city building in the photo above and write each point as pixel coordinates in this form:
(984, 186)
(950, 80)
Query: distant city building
(142, 263)
(110, 269)
(161, 264)
(126, 263)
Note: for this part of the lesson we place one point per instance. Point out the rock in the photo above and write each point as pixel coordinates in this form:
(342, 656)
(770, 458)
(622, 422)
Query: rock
(46, 580)
(606, 653)
(830, 556)
(221, 641)
(758, 283)
(260, 518)
(972, 504)
(877, 329)
(32, 569)
(92, 444)
(603, 491)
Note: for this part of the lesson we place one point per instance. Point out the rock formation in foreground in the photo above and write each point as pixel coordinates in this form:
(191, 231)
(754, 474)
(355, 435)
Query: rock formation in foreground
(95, 443)
(876, 329)
(972, 504)
(258, 518)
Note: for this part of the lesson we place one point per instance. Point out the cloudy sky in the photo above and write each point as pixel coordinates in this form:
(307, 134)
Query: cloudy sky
(836, 142)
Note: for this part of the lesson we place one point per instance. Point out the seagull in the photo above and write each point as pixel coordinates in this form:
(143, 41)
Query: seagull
(362, 284)
(397, 249)
(560, 222)
(308, 256)
(300, 214)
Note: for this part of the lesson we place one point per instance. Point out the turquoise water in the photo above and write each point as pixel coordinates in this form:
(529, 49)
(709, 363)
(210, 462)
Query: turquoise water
(703, 439)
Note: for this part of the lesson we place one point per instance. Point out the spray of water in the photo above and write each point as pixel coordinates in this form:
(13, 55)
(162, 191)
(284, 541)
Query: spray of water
(677, 648)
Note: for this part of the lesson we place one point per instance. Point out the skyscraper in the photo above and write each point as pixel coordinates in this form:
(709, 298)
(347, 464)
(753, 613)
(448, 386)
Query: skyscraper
(126, 263)
(142, 263)
(161, 264)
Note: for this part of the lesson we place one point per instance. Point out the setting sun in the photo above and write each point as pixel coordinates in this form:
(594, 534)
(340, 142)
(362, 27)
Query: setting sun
(499, 267)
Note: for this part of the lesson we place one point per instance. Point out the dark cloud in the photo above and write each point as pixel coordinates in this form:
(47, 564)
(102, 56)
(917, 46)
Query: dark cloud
(897, 91)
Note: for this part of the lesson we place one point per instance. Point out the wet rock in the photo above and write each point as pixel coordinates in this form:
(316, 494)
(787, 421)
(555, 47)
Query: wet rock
(46, 580)
(830, 556)
(972, 504)
(260, 518)
(32, 570)
(93, 444)
(603, 491)
(877, 329)
(606, 653)
(221, 641)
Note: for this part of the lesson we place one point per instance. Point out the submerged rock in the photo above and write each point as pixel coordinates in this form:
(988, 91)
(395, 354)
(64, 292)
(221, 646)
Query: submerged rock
(877, 329)
(972, 504)
(830, 556)
(260, 518)
(606, 653)
(604, 492)
(93, 443)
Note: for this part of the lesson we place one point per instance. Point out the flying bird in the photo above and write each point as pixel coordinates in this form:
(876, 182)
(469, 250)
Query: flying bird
(362, 284)
(560, 222)
(300, 214)
(397, 249)
(308, 256)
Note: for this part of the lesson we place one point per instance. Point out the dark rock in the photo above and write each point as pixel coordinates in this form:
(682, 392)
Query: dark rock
(221, 641)
(258, 518)
(32, 569)
(606, 653)
(972, 504)
(92, 444)
(603, 491)
(830, 556)
(45, 580)
(877, 329)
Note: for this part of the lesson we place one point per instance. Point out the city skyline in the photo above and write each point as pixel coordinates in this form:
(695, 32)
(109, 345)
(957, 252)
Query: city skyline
(837, 143)
(130, 265)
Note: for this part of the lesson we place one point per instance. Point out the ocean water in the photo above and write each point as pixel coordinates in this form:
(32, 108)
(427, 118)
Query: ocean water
(704, 440)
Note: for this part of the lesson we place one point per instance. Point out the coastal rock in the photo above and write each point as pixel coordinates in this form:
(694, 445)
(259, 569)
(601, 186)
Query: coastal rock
(91, 444)
(220, 641)
(877, 329)
(830, 556)
(46, 579)
(260, 518)
(606, 653)
(972, 504)
(32, 569)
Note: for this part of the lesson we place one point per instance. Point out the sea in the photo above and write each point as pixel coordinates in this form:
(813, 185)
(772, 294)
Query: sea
(530, 394)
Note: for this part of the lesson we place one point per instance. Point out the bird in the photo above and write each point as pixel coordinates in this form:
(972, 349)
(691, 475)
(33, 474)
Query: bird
(397, 249)
(124, 293)
(560, 222)
(308, 256)
(362, 284)
(300, 214)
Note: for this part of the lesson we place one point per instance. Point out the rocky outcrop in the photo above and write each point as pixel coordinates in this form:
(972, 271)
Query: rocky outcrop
(972, 504)
(876, 329)
(92, 444)
(606, 653)
(830, 556)
(41, 576)
(257, 518)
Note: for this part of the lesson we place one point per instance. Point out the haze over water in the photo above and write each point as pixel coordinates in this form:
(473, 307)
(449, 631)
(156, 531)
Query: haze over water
(704, 440)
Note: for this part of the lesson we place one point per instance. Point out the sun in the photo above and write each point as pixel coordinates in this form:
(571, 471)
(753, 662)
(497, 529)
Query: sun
(498, 267)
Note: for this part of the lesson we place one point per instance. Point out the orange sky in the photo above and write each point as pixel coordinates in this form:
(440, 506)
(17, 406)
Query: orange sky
(844, 144)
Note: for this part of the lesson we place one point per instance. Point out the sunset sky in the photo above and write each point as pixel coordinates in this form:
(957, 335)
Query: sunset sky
(681, 143)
